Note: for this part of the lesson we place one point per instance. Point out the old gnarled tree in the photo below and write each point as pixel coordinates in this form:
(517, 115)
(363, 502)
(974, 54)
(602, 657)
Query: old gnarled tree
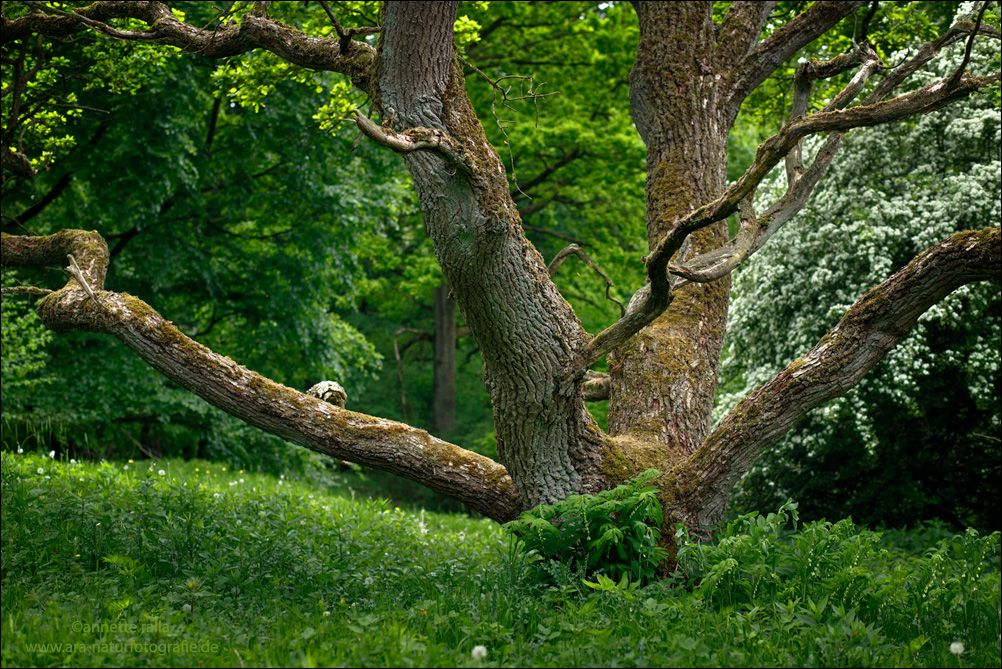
(691, 75)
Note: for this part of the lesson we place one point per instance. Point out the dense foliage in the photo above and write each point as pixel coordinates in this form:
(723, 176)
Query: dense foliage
(617, 531)
(233, 220)
(263, 570)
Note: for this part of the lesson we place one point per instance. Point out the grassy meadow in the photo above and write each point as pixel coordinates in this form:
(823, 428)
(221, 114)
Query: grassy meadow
(175, 563)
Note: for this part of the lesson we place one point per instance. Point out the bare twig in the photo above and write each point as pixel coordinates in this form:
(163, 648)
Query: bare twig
(75, 271)
(755, 231)
(955, 79)
(345, 35)
(27, 290)
(565, 253)
(506, 99)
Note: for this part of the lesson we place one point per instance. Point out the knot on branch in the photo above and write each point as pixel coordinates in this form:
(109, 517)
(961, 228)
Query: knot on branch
(329, 391)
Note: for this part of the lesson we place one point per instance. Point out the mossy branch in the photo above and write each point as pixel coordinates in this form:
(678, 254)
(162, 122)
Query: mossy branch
(255, 31)
(285, 412)
(412, 139)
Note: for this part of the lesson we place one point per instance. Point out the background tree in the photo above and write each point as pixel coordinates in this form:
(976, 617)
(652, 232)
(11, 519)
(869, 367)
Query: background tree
(687, 85)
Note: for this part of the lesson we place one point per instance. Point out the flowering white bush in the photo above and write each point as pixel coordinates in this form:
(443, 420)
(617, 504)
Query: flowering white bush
(890, 193)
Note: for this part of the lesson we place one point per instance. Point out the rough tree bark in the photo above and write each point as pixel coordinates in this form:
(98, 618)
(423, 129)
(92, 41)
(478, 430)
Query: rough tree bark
(690, 78)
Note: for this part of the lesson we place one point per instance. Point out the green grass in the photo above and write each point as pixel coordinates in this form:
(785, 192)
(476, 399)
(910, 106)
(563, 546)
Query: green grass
(108, 566)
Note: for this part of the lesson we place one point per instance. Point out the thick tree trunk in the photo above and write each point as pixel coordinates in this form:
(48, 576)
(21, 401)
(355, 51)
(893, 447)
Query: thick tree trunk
(688, 82)
(664, 379)
(531, 341)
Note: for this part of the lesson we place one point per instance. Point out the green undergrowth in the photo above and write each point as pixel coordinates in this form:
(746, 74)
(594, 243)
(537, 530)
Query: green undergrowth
(108, 566)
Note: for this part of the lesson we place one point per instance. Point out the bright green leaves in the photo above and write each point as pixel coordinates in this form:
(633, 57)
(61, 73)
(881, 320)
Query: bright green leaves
(616, 531)
(576, 164)
(48, 84)
(23, 343)
(466, 31)
(334, 113)
(251, 78)
(240, 226)
(122, 68)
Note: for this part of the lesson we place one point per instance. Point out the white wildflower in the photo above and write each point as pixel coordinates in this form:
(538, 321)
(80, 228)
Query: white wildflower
(956, 648)
(162, 472)
(478, 652)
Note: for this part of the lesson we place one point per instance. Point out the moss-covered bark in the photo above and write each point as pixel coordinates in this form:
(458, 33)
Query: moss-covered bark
(663, 380)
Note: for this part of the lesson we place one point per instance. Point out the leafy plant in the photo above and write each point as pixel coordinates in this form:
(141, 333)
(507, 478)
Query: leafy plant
(616, 531)
(104, 554)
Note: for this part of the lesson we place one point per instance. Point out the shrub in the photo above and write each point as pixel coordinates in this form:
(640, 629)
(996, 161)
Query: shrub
(615, 531)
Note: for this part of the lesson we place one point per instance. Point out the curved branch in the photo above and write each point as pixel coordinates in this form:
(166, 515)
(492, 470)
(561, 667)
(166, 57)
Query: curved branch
(869, 329)
(565, 253)
(756, 67)
(292, 415)
(927, 52)
(778, 146)
(754, 232)
(650, 301)
(412, 139)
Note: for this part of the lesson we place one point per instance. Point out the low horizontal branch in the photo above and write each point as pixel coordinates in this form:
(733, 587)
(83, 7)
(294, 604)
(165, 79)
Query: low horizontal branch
(285, 412)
